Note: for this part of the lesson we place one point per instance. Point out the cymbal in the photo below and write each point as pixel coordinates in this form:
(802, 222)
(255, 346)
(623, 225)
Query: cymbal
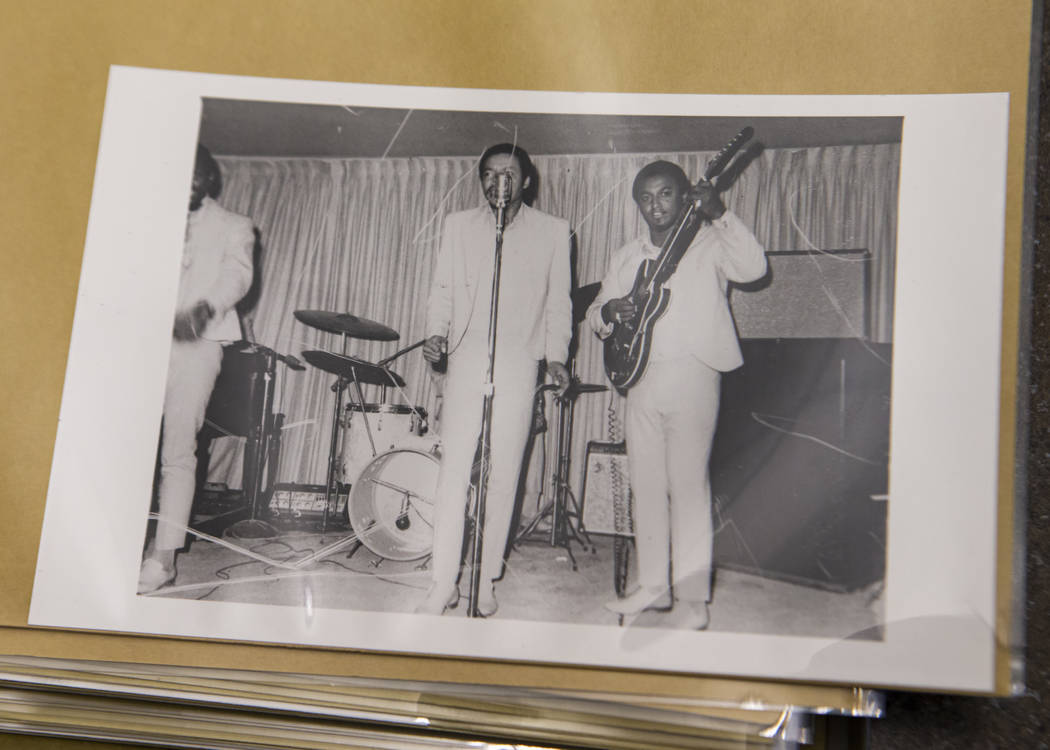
(352, 368)
(351, 325)
(582, 299)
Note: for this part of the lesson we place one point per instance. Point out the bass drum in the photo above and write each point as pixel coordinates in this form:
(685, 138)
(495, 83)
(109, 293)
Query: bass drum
(391, 505)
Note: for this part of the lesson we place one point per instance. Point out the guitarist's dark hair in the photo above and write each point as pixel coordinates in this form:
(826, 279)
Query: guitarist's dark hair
(527, 170)
(663, 169)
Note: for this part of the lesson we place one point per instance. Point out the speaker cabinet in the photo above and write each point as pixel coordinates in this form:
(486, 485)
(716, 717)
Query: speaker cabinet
(237, 401)
(806, 294)
(799, 465)
(241, 405)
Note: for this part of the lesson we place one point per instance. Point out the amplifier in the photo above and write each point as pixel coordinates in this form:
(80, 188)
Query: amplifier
(305, 500)
(607, 500)
(806, 294)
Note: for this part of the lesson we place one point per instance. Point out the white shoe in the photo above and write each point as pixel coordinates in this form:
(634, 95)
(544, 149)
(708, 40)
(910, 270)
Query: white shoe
(640, 600)
(153, 575)
(487, 604)
(697, 617)
(438, 600)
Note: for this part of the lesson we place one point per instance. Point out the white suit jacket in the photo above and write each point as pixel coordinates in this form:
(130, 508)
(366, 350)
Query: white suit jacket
(216, 267)
(535, 316)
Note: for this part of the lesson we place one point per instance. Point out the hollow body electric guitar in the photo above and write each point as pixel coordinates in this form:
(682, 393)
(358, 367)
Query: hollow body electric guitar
(627, 347)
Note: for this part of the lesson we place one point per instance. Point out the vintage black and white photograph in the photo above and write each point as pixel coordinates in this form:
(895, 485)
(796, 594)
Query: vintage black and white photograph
(494, 367)
(351, 252)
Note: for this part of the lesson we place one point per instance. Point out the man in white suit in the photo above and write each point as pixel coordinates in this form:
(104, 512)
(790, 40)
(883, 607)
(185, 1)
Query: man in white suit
(534, 324)
(672, 411)
(216, 274)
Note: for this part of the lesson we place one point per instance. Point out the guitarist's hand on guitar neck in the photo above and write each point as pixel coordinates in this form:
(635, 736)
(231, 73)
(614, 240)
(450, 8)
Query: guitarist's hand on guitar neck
(708, 203)
(674, 211)
(618, 310)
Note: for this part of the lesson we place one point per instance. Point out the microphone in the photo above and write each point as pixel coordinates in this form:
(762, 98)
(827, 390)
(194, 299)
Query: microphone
(502, 189)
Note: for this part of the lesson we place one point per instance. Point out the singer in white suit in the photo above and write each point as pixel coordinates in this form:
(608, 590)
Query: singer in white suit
(672, 411)
(216, 274)
(534, 324)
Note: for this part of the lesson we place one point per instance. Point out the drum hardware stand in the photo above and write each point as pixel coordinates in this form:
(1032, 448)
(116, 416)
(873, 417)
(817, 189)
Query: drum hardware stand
(364, 415)
(563, 532)
(263, 441)
(563, 506)
(340, 387)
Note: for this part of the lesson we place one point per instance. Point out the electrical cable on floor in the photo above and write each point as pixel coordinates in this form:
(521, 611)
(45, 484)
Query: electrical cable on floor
(286, 575)
(290, 571)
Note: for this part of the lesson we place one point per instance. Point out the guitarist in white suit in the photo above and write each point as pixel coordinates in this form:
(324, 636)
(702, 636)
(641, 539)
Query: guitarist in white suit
(672, 410)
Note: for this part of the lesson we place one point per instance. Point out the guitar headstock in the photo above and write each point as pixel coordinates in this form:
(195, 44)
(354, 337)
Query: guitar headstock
(723, 157)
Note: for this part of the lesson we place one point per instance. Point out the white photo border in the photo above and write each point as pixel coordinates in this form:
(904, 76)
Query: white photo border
(943, 495)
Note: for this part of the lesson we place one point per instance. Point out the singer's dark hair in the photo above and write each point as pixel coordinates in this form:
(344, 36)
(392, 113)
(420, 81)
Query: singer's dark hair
(527, 169)
(208, 168)
(660, 169)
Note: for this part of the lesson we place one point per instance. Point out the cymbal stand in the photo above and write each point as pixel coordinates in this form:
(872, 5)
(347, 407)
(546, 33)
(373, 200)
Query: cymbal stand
(258, 446)
(260, 434)
(361, 403)
(563, 532)
(562, 505)
(339, 387)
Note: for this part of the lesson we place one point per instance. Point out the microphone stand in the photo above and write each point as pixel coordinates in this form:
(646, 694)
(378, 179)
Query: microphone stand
(486, 416)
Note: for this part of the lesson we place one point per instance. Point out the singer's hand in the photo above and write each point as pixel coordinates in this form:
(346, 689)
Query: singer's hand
(560, 374)
(434, 348)
(189, 324)
(618, 310)
(710, 203)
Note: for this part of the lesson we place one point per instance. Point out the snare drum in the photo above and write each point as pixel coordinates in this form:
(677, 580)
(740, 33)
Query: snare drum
(391, 505)
(392, 426)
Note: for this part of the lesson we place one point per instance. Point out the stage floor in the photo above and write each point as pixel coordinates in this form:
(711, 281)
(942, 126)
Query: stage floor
(539, 584)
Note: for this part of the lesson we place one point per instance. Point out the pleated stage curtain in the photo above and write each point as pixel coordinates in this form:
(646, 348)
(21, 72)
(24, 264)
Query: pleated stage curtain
(360, 236)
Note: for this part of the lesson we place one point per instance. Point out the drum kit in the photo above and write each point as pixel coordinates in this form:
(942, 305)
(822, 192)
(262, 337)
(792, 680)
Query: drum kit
(382, 450)
(389, 458)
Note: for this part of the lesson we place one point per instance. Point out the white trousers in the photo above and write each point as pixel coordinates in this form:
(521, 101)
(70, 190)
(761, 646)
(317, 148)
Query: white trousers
(461, 411)
(670, 425)
(192, 371)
